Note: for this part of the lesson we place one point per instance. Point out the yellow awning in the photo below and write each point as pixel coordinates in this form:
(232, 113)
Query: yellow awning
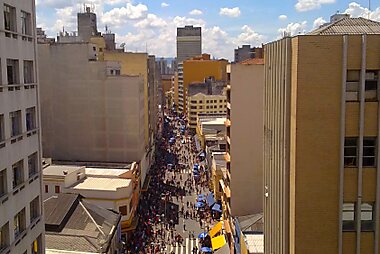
(218, 226)
(218, 242)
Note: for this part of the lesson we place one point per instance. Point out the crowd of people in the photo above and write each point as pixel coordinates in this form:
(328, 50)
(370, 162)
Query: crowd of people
(170, 179)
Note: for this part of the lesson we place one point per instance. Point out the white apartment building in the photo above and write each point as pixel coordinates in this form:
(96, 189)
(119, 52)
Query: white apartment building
(21, 223)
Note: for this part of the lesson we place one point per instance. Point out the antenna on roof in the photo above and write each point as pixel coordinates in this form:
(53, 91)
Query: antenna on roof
(369, 8)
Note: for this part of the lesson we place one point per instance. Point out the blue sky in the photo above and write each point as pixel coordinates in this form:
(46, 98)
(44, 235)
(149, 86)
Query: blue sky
(226, 24)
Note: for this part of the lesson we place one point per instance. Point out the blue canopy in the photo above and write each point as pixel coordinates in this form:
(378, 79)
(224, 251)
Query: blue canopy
(210, 199)
(206, 249)
(201, 198)
(199, 204)
(203, 235)
(217, 207)
(202, 195)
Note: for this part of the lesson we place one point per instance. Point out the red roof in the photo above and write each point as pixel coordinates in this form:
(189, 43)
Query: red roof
(251, 61)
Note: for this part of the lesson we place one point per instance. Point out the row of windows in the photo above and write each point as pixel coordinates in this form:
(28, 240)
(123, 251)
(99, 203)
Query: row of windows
(18, 173)
(208, 101)
(13, 72)
(216, 111)
(12, 25)
(207, 107)
(366, 217)
(19, 227)
(16, 125)
(351, 150)
(57, 189)
(353, 85)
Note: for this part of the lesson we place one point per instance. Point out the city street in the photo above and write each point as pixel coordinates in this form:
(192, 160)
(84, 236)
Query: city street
(169, 221)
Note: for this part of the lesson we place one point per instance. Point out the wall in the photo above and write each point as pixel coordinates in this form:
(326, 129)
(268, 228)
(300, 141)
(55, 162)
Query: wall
(247, 130)
(101, 118)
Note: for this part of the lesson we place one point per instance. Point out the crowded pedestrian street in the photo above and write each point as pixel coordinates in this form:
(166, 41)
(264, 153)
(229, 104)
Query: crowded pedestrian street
(175, 211)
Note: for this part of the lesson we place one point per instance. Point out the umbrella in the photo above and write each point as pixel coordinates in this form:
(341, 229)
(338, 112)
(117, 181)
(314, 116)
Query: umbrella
(203, 235)
(206, 249)
(199, 204)
(201, 195)
(201, 198)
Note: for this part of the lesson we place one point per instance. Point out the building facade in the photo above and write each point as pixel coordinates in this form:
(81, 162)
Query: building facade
(321, 170)
(247, 52)
(21, 222)
(189, 42)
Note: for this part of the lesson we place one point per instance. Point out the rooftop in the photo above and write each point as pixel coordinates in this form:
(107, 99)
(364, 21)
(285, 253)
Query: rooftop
(105, 171)
(213, 121)
(348, 26)
(73, 225)
(252, 61)
(102, 183)
(255, 243)
(58, 170)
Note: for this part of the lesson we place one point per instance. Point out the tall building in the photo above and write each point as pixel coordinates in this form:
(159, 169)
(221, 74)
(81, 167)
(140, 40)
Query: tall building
(189, 42)
(321, 140)
(87, 26)
(21, 222)
(197, 69)
(247, 52)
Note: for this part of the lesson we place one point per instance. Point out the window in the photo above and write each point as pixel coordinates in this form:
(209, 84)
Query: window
(200, 107)
(18, 173)
(193, 107)
(2, 130)
(367, 222)
(3, 182)
(12, 71)
(19, 223)
(32, 164)
(215, 106)
(348, 217)
(207, 101)
(193, 102)
(30, 118)
(46, 188)
(350, 152)
(15, 118)
(34, 209)
(369, 152)
(371, 79)
(26, 23)
(123, 210)
(4, 236)
(207, 107)
(215, 101)
(220, 106)
(57, 189)
(117, 72)
(201, 101)
(10, 18)
(28, 72)
(352, 85)
(220, 101)
(111, 72)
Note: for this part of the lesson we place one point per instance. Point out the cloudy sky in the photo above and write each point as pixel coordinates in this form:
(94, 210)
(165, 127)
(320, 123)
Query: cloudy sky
(151, 24)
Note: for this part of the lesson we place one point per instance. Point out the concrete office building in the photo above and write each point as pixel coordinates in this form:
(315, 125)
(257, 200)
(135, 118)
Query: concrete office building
(189, 42)
(21, 223)
(247, 52)
(101, 111)
(196, 70)
(321, 140)
(87, 26)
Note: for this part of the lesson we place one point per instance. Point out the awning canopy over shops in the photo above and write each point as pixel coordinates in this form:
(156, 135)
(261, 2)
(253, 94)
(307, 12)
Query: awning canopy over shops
(210, 199)
(216, 229)
(218, 242)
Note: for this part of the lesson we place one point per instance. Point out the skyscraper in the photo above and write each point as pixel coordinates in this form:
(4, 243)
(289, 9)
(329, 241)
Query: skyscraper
(21, 224)
(189, 42)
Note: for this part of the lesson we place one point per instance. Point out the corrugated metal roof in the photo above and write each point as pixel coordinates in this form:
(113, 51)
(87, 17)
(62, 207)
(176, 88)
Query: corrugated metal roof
(349, 26)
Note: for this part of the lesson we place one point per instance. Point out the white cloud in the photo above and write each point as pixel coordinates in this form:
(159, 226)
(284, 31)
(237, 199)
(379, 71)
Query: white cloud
(318, 22)
(196, 12)
(356, 10)
(282, 17)
(248, 36)
(54, 3)
(308, 5)
(163, 5)
(293, 29)
(120, 16)
(151, 21)
(230, 12)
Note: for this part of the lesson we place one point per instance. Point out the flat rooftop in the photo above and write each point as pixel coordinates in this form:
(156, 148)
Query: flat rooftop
(255, 243)
(57, 170)
(105, 171)
(213, 121)
(102, 183)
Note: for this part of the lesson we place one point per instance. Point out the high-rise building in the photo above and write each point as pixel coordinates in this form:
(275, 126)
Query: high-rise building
(87, 26)
(189, 42)
(321, 140)
(21, 223)
(197, 69)
(247, 52)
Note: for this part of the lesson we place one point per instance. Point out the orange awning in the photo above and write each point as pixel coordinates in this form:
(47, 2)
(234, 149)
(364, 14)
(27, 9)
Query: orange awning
(218, 242)
(216, 229)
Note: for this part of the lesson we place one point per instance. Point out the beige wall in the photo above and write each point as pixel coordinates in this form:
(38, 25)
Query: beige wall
(88, 116)
(247, 130)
